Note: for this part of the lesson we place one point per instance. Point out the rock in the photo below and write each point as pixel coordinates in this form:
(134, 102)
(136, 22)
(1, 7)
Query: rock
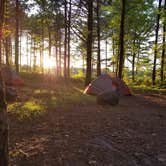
(162, 158)
(110, 98)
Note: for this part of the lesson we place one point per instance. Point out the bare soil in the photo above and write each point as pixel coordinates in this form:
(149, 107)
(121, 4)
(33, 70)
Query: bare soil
(130, 134)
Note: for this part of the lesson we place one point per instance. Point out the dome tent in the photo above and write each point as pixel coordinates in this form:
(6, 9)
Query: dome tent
(11, 78)
(106, 83)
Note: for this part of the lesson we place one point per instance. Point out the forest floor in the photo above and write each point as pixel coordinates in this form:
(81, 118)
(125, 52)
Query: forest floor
(54, 124)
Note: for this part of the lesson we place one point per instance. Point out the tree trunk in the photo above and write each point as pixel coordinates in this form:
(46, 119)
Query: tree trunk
(156, 42)
(138, 57)
(3, 126)
(121, 40)
(3, 106)
(34, 54)
(30, 52)
(98, 39)
(106, 56)
(133, 61)
(7, 38)
(113, 52)
(89, 43)
(49, 46)
(60, 53)
(42, 48)
(56, 53)
(20, 58)
(17, 37)
(7, 49)
(27, 49)
(69, 38)
(65, 42)
(163, 49)
(83, 64)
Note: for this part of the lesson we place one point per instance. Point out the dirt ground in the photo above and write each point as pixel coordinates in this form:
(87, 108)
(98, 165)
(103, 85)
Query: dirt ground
(86, 134)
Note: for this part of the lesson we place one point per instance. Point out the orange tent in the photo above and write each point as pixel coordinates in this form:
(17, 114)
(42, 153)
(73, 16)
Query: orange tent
(11, 78)
(106, 83)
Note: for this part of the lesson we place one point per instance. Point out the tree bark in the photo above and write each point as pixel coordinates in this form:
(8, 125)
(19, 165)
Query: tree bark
(98, 39)
(69, 38)
(163, 49)
(27, 49)
(20, 58)
(56, 53)
(89, 43)
(133, 61)
(3, 106)
(60, 53)
(156, 42)
(50, 43)
(7, 38)
(34, 54)
(17, 36)
(42, 48)
(106, 56)
(65, 41)
(121, 40)
(7, 49)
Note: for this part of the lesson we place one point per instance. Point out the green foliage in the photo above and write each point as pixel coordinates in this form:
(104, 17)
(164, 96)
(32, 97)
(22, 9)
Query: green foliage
(39, 96)
(79, 75)
(148, 89)
(26, 110)
(65, 100)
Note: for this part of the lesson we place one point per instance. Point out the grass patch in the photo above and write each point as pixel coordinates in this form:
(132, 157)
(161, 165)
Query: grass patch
(67, 99)
(39, 96)
(26, 110)
(148, 89)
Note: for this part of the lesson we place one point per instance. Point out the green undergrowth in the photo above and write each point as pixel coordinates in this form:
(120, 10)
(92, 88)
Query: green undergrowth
(148, 89)
(42, 93)
(38, 96)
(63, 98)
(26, 110)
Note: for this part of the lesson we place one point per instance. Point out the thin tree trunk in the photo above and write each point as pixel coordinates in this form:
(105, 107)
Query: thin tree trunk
(27, 49)
(113, 52)
(20, 49)
(56, 53)
(42, 48)
(60, 54)
(30, 58)
(34, 54)
(156, 42)
(133, 62)
(7, 38)
(65, 42)
(49, 36)
(163, 49)
(17, 37)
(117, 61)
(89, 43)
(121, 40)
(138, 58)
(83, 64)
(7, 50)
(106, 56)
(3, 105)
(69, 38)
(98, 39)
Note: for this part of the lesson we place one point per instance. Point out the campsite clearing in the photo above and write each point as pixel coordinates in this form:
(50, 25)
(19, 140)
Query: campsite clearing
(61, 126)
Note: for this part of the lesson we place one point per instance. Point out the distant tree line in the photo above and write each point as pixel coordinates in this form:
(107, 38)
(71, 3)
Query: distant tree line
(56, 25)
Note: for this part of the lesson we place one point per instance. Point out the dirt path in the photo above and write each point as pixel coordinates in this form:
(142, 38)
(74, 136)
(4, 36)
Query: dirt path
(130, 134)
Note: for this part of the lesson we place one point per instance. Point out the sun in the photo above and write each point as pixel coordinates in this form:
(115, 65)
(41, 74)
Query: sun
(49, 62)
